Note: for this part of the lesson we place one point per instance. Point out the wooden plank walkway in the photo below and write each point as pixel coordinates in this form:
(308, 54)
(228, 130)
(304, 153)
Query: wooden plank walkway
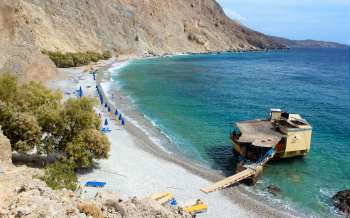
(229, 181)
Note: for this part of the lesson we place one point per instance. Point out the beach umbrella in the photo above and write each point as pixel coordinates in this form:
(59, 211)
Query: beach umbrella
(101, 99)
(120, 117)
(123, 122)
(109, 109)
(106, 104)
(116, 112)
(80, 92)
(106, 122)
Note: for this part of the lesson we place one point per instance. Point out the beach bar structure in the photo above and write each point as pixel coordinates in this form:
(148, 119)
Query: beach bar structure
(289, 135)
(281, 135)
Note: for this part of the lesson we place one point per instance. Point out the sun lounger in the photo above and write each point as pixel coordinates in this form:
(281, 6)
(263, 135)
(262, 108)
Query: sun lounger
(106, 130)
(195, 207)
(95, 184)
(163, 197)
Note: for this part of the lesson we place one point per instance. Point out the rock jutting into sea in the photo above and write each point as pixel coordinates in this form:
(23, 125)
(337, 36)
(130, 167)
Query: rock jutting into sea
(341, 200)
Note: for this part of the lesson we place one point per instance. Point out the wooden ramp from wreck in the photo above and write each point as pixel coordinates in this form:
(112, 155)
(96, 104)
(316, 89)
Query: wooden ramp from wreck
(229, 181)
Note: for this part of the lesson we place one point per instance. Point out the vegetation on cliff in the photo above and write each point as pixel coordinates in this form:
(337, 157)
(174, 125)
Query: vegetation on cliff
(60, 175)
(35, 120)
(69, 59)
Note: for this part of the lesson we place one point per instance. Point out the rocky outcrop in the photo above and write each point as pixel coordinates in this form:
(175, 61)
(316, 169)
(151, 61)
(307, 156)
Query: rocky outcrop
(18, 53)
(341, 200)
(274, 190)
(124, 26)
(5, 151)
(22, 196)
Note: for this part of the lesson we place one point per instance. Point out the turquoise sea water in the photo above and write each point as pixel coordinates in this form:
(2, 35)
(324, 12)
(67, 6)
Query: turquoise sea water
(195, 99)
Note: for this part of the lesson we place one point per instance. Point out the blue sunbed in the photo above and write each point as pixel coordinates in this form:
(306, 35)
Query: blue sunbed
(95, 184)
(106, 130)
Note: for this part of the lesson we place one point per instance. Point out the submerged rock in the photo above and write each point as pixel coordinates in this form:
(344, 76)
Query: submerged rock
(273, 190)
(341, 200)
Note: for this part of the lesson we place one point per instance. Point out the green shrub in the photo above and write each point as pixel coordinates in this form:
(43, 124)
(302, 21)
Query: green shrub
(23, 131)
(107, 55)
(86, 146)
(8, 87)
(60, 175)
(80, 59)
(69, 59)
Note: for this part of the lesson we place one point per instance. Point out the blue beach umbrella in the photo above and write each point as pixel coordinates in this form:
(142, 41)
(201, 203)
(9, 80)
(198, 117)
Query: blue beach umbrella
(106, 122)
(101, 99)
(109, 109)
(116, 112)
(120, 117)
(123, 122)
(80, 92)
(106, 104)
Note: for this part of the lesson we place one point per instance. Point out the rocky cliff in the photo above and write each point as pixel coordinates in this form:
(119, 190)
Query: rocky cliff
(5, 151)
(124, 26)
(22, 196)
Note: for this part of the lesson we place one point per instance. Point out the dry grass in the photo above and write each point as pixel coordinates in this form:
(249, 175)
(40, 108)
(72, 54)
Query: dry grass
(90, 209)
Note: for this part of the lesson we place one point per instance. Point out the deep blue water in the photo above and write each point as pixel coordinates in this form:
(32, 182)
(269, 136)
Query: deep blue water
(196, 99)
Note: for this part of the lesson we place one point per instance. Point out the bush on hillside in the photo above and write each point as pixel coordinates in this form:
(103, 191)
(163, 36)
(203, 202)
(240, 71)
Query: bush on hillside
(60, 175)
(86, 146)
(107, 55)
(8, 87)
(65, 60)
(23, 131)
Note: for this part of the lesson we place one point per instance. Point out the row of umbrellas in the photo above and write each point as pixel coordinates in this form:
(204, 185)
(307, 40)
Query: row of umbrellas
(116, 113)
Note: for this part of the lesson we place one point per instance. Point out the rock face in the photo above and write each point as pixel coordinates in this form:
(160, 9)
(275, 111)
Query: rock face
(342, 201)
(23, 196)
(5, 148)
(124, 26)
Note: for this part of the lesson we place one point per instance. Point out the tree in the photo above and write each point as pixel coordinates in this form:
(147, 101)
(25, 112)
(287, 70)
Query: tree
(78, 115)
(35, 97)
(52, 125)
(8, 87)
(88, 145)
(23, 131)
(5, 113)
(32, 116)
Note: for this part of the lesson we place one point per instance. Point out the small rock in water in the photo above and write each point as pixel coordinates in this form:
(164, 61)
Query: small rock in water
(273, 189)
(341, 200)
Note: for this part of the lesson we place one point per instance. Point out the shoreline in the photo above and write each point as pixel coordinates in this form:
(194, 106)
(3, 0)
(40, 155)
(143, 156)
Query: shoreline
(238, 194)
(251, 206)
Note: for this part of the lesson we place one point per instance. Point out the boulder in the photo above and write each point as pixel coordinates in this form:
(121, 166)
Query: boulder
(341, 200)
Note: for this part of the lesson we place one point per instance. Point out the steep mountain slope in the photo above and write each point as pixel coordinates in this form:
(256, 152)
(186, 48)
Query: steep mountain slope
(123, 26)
